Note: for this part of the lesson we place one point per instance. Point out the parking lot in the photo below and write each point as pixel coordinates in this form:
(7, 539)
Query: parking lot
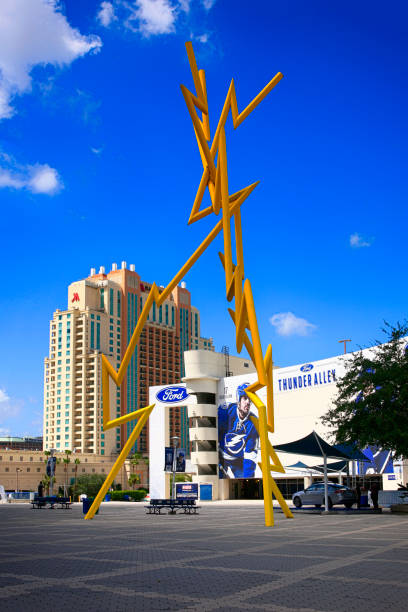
(222, 559)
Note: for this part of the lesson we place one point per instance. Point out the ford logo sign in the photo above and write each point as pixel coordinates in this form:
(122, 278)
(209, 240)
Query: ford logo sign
(307, 367)
(172, 395)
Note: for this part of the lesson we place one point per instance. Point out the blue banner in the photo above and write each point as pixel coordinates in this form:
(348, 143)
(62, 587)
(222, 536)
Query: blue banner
(168, 458)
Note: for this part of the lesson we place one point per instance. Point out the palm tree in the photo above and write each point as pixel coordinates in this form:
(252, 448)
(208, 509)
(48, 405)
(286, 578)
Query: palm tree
(134, 479)
(46, 481)
(135, 459)
(76, 462)
(66, 460)
(46, 484)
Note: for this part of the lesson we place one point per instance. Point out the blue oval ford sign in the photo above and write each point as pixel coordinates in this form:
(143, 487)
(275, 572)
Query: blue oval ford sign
(172, 395)
(307, 367)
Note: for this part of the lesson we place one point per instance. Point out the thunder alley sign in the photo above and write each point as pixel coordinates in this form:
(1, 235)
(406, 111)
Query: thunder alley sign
(307, 375)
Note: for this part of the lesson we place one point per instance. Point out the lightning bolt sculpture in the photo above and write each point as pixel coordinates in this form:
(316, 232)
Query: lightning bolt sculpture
(214, 178)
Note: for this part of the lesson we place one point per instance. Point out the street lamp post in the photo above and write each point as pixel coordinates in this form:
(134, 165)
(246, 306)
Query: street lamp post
(51, 468)
(175, 440)
(17, 471)
(345, 344)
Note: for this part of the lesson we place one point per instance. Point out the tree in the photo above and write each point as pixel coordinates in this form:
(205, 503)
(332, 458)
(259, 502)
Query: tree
(76, 462)
(46, 481)
(90, 484)
(133, 480)
(372, 402)
(135, 460)
(183, 478)
(66, 460)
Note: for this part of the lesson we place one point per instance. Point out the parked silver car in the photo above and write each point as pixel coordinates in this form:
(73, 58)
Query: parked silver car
(314, 495)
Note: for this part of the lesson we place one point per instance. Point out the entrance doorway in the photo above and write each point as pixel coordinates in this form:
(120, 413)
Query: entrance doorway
(242, 488)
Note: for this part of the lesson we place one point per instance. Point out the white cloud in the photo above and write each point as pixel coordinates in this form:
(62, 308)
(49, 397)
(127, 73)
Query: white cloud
(96, 150)
(32, 33)
(357, 241)
(8, 407)
(106, 14)
(3, 396)
(10, 412)
(203, 38)
(85, 107)
(185, 5)
(7, 179)
(40, 178)
(44, 180)
(287, 324)
(152, 17)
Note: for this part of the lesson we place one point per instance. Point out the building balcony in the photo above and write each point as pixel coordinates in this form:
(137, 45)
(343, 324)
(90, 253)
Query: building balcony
(203, 433)
(204, 458)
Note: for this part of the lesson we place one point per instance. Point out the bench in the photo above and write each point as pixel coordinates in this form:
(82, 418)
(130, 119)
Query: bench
(187, 505)
(41, 502)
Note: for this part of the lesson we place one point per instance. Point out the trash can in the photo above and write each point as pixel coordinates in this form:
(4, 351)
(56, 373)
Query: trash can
(364, 500)
(86, 504)
(108, 497)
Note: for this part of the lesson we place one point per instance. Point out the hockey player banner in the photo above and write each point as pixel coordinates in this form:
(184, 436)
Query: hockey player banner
(180, 460)
(168, 458)
(237, 436)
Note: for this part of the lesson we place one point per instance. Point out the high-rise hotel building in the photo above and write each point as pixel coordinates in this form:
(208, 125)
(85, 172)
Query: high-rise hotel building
(102, 313)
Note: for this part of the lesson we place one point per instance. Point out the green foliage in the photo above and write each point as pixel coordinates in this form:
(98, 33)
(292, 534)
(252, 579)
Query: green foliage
(134, 479)
(136, 458)
(183, 478)
(89, 484)
(372, 402)
(135, 495)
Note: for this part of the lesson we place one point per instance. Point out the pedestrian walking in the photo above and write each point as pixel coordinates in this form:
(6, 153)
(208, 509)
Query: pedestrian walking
(374, 494)
(358, 495)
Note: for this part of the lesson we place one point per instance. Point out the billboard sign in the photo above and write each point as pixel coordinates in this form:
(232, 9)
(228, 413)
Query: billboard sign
(172, 395)
(187, 490)
(238, 439)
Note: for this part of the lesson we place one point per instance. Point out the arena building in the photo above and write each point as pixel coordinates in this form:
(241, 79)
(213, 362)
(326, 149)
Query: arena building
(225, 449)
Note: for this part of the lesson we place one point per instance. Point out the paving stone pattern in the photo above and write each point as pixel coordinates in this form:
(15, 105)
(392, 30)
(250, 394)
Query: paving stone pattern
(222, 559)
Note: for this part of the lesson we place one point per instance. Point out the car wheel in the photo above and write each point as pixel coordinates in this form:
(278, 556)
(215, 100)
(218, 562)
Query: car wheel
(330, 504)
(298, 502)
(348, 504)
(318, 505)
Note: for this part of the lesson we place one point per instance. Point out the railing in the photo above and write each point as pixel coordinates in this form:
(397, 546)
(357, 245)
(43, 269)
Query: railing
(19, 495)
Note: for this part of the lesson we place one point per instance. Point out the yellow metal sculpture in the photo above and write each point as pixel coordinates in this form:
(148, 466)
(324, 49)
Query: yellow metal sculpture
(215, 179)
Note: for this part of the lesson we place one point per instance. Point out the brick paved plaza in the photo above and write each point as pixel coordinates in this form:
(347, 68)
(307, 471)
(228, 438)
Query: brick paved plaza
(222, 559)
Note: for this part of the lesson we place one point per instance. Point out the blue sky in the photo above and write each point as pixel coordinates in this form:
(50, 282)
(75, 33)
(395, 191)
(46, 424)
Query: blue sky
(98, 164)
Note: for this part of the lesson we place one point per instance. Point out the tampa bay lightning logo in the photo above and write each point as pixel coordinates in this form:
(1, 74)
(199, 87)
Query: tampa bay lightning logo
(307, 367)
(234, 442)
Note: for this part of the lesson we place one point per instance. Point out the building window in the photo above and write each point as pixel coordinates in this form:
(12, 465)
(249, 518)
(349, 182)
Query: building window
(118, 304)
(111, 301)
(102, 299)
(98, 335)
